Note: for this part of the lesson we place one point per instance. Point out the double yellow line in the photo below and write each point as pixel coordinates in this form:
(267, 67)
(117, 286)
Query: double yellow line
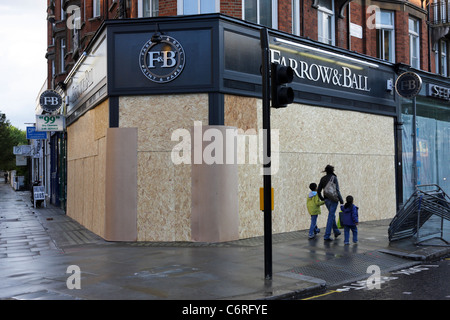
(322, 295)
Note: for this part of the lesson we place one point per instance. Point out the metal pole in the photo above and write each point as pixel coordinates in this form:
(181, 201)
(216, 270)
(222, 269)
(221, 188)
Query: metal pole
(267, 154)
(415, 171)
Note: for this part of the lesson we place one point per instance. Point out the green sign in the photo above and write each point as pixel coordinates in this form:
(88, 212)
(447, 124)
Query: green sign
(50, 123)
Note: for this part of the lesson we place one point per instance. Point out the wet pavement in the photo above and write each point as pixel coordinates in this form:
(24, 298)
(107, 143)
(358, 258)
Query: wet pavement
(38, 245)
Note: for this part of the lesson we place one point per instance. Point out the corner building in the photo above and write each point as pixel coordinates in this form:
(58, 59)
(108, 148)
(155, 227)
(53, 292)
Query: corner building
(149, 99)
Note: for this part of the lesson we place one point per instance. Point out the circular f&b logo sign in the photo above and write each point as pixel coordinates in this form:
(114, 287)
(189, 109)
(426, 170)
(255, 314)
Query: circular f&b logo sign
(408, 84)
(162, 61)
(50, 100)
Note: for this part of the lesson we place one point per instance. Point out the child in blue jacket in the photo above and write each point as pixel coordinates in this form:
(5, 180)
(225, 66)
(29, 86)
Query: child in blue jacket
(350, 220)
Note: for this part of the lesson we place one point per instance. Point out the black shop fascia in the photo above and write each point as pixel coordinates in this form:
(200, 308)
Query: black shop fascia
(218, 55)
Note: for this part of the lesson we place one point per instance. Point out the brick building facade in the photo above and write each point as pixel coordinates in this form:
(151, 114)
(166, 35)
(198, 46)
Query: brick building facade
(122, 107)
(353, 26)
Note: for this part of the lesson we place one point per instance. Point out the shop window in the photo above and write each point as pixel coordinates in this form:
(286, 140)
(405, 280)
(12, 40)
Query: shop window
(262, 12)
(414, 43)
(296, 17)
(197, 6)
(385, 35)
(433, 145)
(148, 8)
(326, 21)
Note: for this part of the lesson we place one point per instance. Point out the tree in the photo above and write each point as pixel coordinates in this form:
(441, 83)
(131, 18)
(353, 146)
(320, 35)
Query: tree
(10, 136)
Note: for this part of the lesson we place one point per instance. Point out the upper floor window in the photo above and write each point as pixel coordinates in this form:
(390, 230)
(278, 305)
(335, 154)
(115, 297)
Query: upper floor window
(385, 35)
(296, 17)
(63, 12)
(326, 21)
(441, 58)
(96, 5)
(197, 6)
(62, 54)
(414, 43)
(262, 12)
(148, 8)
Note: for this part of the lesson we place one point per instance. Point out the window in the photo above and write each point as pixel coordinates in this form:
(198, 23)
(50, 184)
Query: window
(444, 58)
(385, 35)
(148, 8)
(414, 43)
(96, 5)
(326, 21)
(441, 58)
(198, 6)
(296, 17)
(262, 12)
(53, 69)
(62, 54)
(63, 13)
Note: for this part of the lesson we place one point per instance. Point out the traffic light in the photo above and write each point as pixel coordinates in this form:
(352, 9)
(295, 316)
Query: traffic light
(282, 95)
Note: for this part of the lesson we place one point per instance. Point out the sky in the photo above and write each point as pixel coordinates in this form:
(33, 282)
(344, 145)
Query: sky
(23, 67)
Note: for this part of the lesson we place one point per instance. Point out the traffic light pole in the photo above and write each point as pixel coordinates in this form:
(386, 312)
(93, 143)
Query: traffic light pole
(267, 154)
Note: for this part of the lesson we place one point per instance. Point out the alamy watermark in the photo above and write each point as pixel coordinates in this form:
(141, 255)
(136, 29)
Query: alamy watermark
(74, 280)
(74, 20)
(213, 146)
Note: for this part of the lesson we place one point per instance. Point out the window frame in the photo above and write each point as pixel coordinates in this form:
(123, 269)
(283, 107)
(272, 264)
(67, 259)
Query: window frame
(296, 18)
(62, 53)
(326, 14)
(381, 28)
(141, 13)
(274, 13)
(414, 46)
(96, 8)
(443, 62)
(180, 7)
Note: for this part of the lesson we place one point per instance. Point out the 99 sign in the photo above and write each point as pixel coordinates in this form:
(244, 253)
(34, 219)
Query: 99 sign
(49, 119)
(50, 122)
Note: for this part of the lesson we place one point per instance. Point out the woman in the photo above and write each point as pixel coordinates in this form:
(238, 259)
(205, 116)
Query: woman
(329, 203)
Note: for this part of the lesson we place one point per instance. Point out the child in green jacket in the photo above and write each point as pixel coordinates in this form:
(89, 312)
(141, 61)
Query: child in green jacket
(313, 204)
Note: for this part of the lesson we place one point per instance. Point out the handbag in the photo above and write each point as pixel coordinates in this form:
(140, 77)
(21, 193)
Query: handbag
(330, 191)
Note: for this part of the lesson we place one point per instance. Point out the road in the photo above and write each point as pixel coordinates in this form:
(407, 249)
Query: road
(427, 281)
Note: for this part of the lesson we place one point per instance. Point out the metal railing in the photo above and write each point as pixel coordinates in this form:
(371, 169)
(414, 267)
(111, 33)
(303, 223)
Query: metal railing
(425, 202)
(439, 13)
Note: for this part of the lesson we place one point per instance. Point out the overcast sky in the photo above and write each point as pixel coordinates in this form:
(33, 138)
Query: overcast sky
(23, 44)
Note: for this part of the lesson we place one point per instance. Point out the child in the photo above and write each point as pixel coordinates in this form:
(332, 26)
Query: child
(350, 220)
(313, 204)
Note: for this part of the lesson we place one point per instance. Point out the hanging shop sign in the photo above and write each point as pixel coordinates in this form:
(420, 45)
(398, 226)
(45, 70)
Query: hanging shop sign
(50, 123)
(162, 59)
(33, 134)
(50, 100)
(24, 150)
(408, 85)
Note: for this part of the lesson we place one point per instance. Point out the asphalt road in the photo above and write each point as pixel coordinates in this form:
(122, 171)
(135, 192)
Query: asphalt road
(427, 281)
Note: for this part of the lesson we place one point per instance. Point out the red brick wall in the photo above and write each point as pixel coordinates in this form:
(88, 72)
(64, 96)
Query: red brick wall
(167, 7)
(232, 8)
(309, 15)
(285, 15)
(358, 16)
